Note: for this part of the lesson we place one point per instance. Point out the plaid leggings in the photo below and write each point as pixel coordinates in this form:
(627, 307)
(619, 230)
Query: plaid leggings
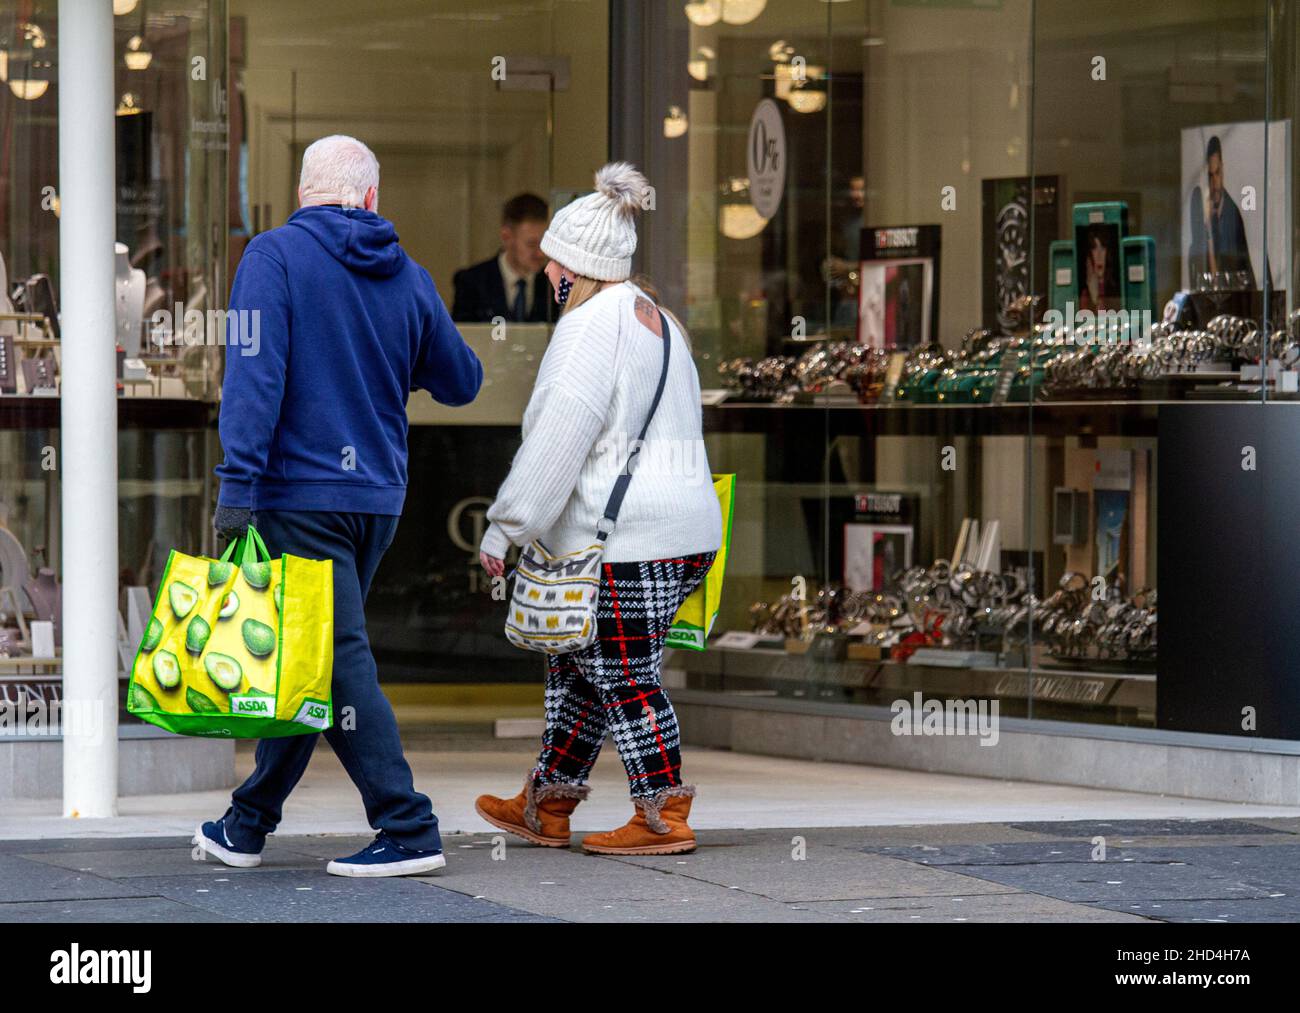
(613, 684)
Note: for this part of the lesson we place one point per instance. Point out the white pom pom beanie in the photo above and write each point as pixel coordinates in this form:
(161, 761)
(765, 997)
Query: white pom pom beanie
(595, 235)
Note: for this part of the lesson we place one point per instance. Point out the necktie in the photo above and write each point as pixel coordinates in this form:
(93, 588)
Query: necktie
(518, 310)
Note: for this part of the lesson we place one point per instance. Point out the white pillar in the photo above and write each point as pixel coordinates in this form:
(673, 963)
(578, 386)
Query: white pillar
(88, 467)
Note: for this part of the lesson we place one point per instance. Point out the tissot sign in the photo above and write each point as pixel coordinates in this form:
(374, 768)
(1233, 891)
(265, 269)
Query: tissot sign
(896, 239)
(765, 158)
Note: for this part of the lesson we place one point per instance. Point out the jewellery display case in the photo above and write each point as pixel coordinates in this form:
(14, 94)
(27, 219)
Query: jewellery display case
(172, 156)
(1113, 196)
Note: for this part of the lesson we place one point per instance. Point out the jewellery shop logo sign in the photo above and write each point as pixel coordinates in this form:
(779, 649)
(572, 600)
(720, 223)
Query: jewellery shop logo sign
(918, 716)
(1109, 327)
(897, 239)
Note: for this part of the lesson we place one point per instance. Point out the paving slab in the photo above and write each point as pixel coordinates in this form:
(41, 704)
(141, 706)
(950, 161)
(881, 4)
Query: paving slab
(1148, 828)
(1269, 909)
(178, 860)
(48, 845)
(994, 907)
(810, 872)
(1127, 876)
(1057, 852)
(296, 896)
(119, 910)
(25, 880)
(579, 887)
(931, 833)
(1286, 824)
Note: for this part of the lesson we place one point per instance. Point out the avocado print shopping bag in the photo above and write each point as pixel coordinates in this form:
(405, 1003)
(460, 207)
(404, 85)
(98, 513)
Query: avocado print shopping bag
(694, 620)
(241, 646)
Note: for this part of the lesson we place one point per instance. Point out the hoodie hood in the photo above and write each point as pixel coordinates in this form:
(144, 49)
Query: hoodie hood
(360, 240)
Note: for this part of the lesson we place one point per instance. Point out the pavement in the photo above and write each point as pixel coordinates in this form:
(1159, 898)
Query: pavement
(1231, 871)
(781, 841)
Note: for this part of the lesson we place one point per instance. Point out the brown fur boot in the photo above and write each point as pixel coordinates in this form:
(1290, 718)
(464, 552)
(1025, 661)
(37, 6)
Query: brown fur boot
(657, 828)
(540, 813)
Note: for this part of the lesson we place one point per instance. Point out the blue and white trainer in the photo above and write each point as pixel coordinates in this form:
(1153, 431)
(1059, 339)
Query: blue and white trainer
(213, 839)
(385, 857)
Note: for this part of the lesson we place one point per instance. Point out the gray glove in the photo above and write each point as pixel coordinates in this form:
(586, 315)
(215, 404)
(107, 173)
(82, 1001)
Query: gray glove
(231, 522)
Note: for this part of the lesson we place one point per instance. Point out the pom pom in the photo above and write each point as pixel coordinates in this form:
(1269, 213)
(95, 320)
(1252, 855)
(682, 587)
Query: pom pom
(624, 185)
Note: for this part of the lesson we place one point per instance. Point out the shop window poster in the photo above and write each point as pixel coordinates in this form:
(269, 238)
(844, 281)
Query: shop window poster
(1112, 498)
(1021, 216)
(1224, 205)
(875, 552)
(898, 301)
(1097, 251)
(1112, 533)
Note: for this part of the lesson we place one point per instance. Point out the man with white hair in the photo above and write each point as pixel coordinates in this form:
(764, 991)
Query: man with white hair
(313, 425)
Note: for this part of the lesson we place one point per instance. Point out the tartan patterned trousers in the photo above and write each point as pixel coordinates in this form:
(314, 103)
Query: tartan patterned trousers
(612, 685)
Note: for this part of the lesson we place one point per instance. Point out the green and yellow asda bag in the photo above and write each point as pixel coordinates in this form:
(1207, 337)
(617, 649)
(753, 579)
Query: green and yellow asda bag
(241, 646)
(695, 618)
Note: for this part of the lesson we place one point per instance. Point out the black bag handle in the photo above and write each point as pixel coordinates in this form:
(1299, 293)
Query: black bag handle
(615, 501)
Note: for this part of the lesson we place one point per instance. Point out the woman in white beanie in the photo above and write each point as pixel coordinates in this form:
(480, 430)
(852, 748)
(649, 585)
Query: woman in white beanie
(595, 389)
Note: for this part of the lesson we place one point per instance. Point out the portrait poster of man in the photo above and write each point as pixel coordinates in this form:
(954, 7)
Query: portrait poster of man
(1225, 202)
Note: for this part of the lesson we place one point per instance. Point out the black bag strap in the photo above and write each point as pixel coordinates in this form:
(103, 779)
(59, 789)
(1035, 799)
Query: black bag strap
(615, 501)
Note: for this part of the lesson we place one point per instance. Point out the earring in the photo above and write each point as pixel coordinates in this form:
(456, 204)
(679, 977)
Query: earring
(565, 286)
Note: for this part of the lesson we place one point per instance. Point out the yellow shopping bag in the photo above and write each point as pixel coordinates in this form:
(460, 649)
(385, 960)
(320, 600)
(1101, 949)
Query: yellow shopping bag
(695, 618)
(241, 646)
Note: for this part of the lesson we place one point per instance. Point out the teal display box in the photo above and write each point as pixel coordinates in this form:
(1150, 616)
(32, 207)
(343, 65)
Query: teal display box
(1062, 287)
(1107, 212)
(1140, 274)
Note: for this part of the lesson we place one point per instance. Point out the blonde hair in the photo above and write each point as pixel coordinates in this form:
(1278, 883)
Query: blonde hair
(584, 288)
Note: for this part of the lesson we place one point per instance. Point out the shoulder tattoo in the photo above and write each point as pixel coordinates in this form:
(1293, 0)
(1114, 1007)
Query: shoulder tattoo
(648, 315)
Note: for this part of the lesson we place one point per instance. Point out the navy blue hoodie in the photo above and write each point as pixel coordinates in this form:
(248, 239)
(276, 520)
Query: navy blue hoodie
(313, 406)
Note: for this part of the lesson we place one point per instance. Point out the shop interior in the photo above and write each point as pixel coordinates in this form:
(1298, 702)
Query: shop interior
(957, 277)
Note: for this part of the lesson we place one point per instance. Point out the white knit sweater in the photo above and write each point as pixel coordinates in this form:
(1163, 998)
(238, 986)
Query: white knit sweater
(593, 391)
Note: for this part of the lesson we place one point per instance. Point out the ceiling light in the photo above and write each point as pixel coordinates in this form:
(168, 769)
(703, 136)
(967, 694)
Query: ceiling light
(29, 89)
(27, 74)
(790, 76)
(121, 7)
(807, 100)
(734, 12)
(741, 12)
(700, 65)
(675, 122)
(740, 221)
(136, 56)
(704, 12)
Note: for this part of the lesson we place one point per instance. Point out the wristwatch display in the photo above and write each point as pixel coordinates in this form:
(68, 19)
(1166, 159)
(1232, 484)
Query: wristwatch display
(962, 608)
(780, 378)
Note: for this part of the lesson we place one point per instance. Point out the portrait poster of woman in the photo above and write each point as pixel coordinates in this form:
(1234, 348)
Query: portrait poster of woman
(1098, 252)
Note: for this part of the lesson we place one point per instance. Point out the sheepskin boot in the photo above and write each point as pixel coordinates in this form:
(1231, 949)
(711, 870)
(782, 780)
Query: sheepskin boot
(658, 827)
(539, 813)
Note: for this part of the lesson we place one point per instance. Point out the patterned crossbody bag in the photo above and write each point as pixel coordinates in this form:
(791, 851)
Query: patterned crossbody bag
(553, 604)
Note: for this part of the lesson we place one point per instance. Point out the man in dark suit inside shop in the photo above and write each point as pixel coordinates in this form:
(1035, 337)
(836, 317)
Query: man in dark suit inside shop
(510, 285)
